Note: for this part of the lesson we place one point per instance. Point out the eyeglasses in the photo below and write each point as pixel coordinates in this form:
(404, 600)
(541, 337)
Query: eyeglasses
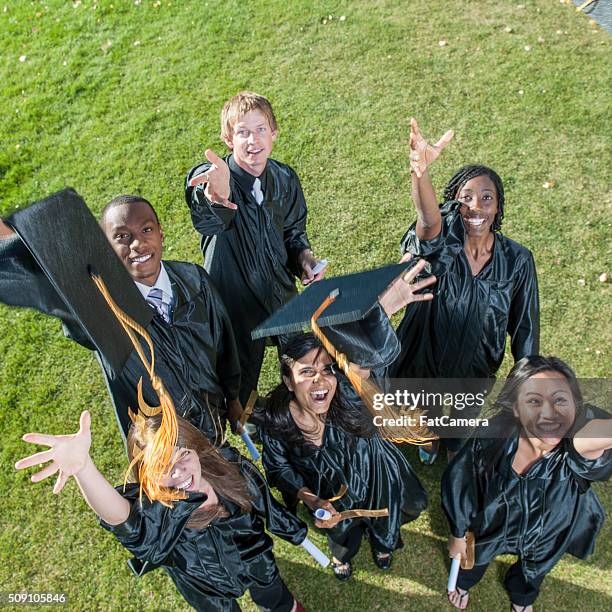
(312, 372)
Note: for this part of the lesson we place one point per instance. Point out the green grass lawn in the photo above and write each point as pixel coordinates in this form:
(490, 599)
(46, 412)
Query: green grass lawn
(123, 97)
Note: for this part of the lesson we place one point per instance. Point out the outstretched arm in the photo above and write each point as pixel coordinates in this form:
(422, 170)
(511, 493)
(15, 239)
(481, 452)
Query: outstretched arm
(422, 154)
(207, 193)
(594, 438)
(70, 456)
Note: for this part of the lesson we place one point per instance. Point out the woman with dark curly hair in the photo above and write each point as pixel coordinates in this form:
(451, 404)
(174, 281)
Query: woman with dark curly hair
(487, 284)
(320, 447)
(525, 489)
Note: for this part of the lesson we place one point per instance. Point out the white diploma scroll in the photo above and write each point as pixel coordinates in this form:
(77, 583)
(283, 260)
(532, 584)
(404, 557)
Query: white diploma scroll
(322, 514)
(247, 440)
(452, 575)
(315, 552)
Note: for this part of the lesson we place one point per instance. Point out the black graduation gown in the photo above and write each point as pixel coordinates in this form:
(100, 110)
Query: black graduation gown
(212, 566)
(253, 249)
(375, 471)
(252, 253)
(546, 512)
(461, 333)
(195, 354)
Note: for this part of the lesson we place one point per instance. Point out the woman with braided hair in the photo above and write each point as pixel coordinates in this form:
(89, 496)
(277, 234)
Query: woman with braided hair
(487, 285)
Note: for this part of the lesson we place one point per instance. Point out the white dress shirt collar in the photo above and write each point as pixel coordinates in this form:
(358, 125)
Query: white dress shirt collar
(162, 282)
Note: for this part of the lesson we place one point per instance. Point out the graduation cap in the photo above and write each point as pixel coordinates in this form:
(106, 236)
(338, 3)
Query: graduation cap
(351, 321)
(343, 315)
(75, 255)
(68, 244)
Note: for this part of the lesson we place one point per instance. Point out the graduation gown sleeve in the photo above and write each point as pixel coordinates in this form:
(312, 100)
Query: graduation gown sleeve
(279, 521)
(152, 529)
(592, 470)
(461, 490)
(209, 219)
(369, 342)
(524, 319)
(279, 470)
(589, 470)
(24, 284)
(294, 230)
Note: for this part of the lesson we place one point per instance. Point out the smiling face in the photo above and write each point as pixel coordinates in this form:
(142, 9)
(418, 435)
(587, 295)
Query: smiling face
(312, 381)
(546, 407)
(186, 475)
(251, 141)
(479, 204)
(137, 238)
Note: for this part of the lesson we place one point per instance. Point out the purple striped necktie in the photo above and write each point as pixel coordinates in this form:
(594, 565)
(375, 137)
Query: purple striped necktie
(155, 299)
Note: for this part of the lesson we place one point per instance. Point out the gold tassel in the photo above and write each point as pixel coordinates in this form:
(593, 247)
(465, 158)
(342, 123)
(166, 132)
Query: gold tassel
(248, 409)
(468, 562)
(350, 514)
(341, 492)
(156, 459)
(367, 389)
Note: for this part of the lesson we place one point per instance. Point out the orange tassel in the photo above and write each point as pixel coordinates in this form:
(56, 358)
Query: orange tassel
(156, 459)
(367, 389)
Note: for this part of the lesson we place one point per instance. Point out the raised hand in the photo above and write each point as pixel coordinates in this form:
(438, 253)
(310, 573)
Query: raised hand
(68, 454)
(421, 152)
(403, 290)
(217, 180)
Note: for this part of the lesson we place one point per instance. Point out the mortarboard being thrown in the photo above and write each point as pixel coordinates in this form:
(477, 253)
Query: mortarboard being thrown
(190, 329)
(319, 443)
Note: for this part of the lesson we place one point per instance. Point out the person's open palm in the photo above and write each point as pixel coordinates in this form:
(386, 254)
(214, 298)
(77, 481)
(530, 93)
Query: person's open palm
(216, 179)
(68, 454)
(422, 154)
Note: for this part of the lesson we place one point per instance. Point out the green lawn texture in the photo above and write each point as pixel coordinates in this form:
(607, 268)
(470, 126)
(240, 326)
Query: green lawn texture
(124, 97)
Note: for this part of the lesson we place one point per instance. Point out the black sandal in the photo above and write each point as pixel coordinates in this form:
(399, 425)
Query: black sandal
(462, 595)
(517, 607)
(342, 571)
(382, 560)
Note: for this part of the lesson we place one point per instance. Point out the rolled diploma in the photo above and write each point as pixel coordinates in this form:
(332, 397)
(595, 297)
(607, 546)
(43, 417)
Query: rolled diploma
(322, 514)
(244, 434)
(315, 552)
(452, 575)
